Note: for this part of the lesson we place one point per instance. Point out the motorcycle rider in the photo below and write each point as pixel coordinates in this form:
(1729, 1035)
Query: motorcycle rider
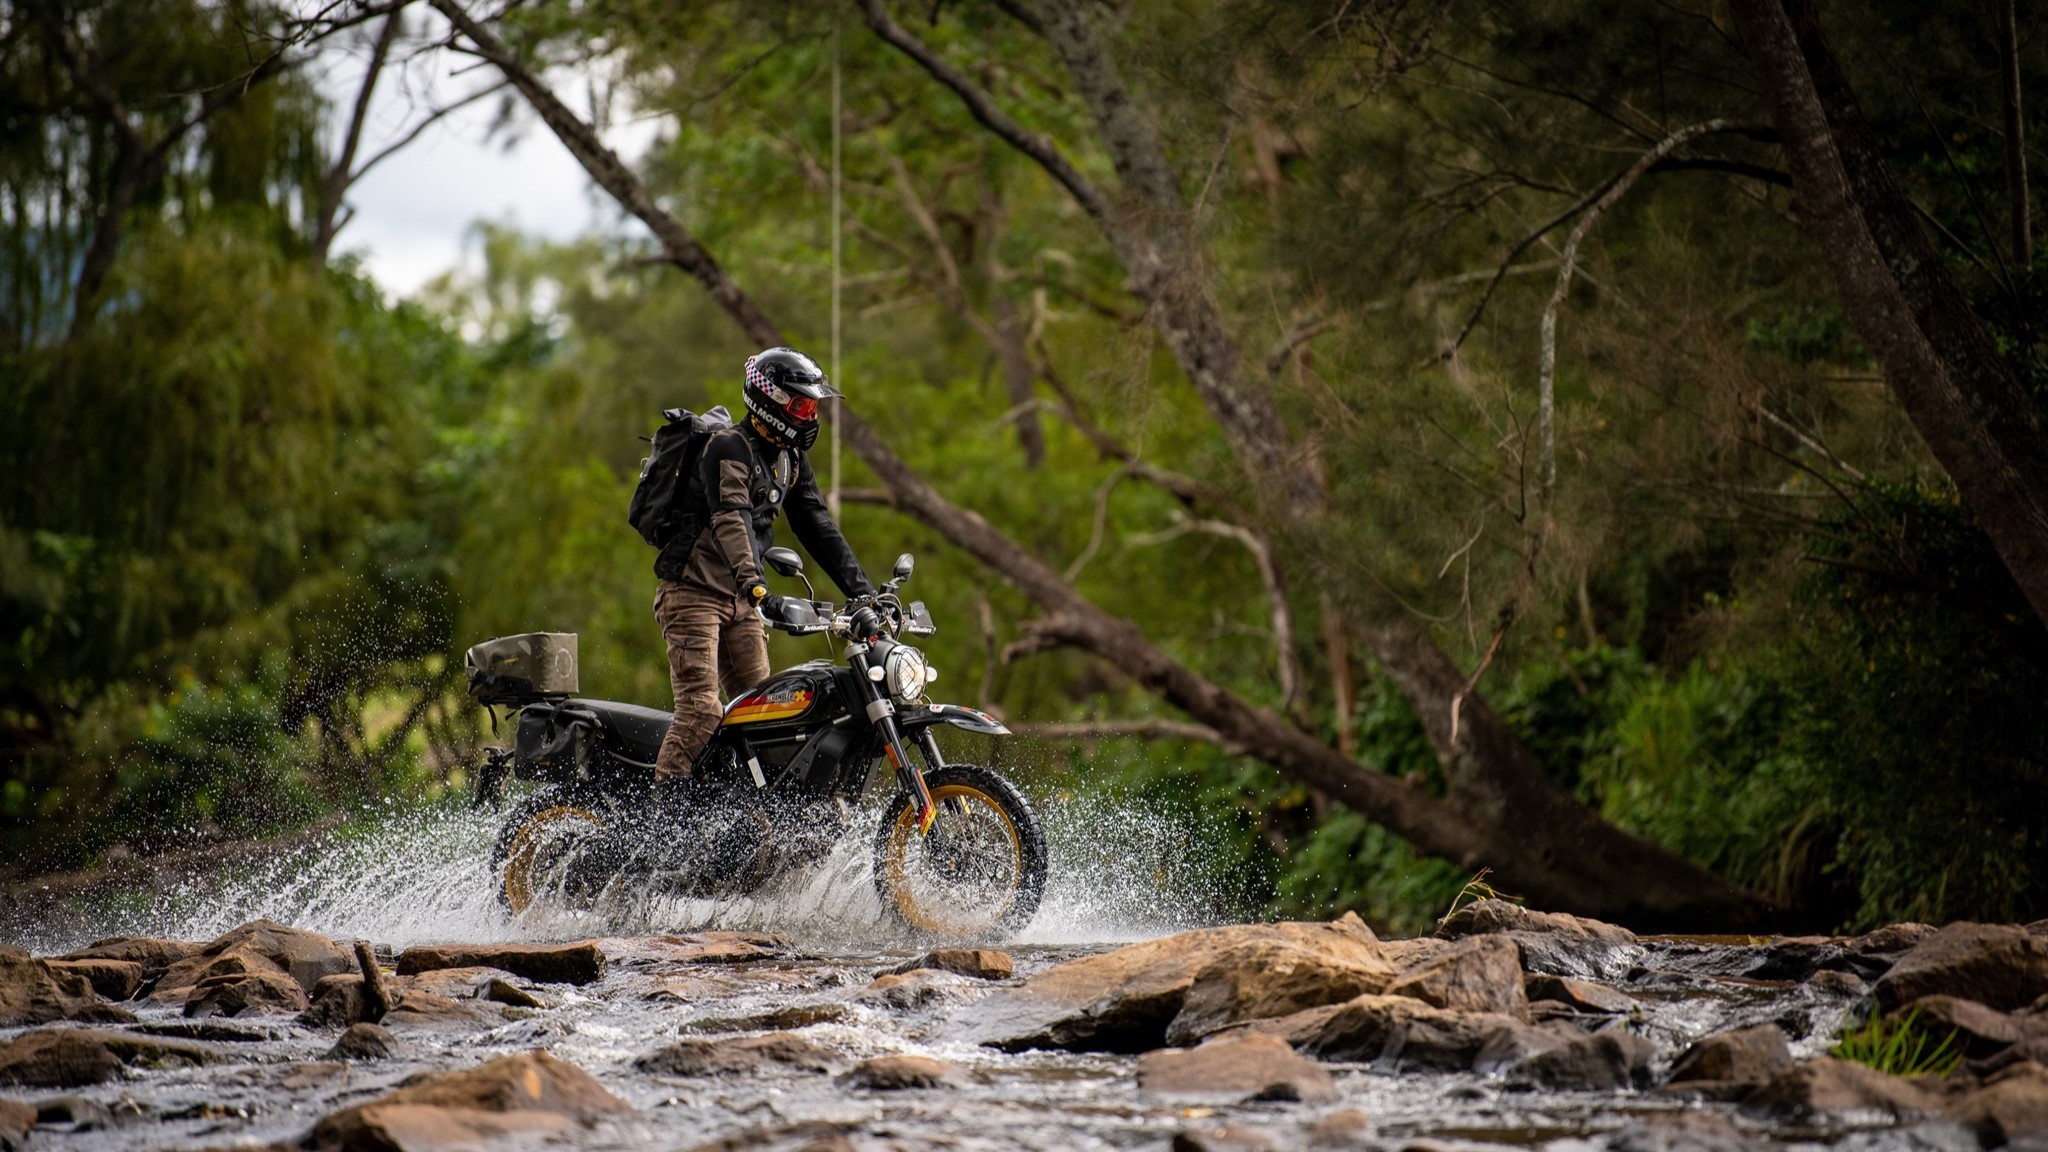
(711, 586)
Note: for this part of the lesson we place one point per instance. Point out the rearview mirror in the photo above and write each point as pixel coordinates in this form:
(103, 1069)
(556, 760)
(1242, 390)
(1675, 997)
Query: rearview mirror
(904, 564)
(785, 561)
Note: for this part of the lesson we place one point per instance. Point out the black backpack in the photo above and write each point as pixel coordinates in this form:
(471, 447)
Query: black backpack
(665, 498)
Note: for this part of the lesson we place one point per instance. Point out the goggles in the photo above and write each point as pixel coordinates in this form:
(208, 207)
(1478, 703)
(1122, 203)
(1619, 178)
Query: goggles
(802, 408)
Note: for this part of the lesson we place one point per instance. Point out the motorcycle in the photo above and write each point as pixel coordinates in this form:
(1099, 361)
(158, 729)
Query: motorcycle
(958, 853)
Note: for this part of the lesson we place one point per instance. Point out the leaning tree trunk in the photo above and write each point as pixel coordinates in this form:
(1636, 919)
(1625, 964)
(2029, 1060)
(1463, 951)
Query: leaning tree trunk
(1964, 399)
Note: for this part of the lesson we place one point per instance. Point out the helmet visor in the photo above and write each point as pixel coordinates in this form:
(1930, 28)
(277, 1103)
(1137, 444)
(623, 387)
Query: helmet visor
(802, 407)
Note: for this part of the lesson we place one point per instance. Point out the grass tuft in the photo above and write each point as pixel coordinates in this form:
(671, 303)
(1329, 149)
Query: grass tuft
(1899, 1047)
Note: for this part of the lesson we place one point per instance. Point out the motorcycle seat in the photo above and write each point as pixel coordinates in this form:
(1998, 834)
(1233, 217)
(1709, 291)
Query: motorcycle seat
(639, 730)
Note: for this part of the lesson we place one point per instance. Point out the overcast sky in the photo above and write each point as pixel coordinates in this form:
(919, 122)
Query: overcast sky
(413, 209)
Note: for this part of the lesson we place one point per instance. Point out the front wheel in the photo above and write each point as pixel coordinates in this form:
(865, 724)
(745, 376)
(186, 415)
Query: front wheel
(978, 874)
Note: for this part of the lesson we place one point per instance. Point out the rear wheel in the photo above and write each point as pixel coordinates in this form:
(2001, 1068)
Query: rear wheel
(978, 874)
(539, 842)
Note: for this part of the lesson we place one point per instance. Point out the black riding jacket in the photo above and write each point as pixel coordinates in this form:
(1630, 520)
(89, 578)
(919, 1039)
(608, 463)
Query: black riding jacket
(743, 480)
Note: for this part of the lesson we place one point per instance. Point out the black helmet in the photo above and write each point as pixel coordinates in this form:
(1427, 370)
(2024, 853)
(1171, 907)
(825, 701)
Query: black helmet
(782, 392)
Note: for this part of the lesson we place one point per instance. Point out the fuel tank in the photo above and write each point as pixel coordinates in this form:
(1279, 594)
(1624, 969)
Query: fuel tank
(792, 698)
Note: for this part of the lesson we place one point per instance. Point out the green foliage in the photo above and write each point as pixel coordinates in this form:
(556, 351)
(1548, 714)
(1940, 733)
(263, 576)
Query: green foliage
(1899, 1046)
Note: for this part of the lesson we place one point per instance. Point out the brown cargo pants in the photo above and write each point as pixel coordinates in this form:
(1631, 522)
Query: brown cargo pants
(711, 638)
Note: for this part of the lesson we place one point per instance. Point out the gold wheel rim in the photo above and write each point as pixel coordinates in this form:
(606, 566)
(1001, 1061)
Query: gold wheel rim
(520, 886)
(896, 865)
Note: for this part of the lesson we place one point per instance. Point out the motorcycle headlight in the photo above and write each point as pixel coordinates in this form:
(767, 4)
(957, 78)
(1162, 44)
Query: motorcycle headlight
(906, 673)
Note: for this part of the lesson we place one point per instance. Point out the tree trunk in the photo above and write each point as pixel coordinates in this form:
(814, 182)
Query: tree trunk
(2015, 136)
(1961, 395)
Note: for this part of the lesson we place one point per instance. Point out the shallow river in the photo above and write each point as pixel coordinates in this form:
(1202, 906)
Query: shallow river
(423, 883)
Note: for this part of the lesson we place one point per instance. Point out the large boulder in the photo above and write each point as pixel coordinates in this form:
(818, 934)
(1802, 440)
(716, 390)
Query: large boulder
(580, 963)
(258, 946)
(1997, 965)
(1241, 1066)
(532, 1094)
(1550, 942)
(746, 1055)
(1827, 1086)
(1614, 1059)
(33, 992)
(1126, 1000)
(1399, 1032)
(1478, 974)
(337, 1001)
(1728, 1064)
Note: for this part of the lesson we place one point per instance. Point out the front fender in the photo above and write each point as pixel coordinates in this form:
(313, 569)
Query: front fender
(911, 717)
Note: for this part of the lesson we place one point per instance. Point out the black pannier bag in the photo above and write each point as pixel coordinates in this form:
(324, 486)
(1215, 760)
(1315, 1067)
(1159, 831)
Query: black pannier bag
(516, 670)
(662, 508)
(551, 747)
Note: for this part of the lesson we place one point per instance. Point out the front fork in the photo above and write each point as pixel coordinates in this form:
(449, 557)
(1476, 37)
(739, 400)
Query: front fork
(882, 713)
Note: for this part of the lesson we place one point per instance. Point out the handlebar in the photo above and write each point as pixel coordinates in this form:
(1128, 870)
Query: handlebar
(810, 617)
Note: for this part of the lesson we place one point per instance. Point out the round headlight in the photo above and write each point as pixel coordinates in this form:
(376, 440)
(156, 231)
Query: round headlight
(906, 673)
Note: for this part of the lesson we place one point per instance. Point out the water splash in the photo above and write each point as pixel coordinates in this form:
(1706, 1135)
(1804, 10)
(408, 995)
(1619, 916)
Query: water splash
(1117, 872)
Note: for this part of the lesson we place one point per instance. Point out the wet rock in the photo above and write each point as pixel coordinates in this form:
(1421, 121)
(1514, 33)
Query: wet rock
(69, 1057)
(1228, 1138)
(723, 947)
(1979, 1030)
(502, 991)
(1580, 995)
(1271, 978)
(580, 963)
(363, 1041)
(422, 1009)
(1124, 1001)
(1827, 1085)
(311, 1075)
(1507, 1047)
(453, 983)
(113, 979)
(34, 992)
(1395, 1031)
(1479, 974)
(258, 946)
(1839, 983)
(336, 1002)
(248, 992)
(1727, 1065)
(1614, 1059)
(746, 1055)
(2009, 1107)
(155, 956)
(979, 963)
(1242, 1066)
(525, 1096)
(1801, 958)
(16, 1120)
(1997, 965)
(229, 1032)
(1551, 942)
(376, 995)
(1891, 939)
(916, 989)
(58, 1058)
(894, 1073)
(1349, 1128)
(778, 1019)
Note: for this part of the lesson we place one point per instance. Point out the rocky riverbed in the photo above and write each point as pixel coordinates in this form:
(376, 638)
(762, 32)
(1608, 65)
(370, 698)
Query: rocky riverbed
(1508, 1028)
